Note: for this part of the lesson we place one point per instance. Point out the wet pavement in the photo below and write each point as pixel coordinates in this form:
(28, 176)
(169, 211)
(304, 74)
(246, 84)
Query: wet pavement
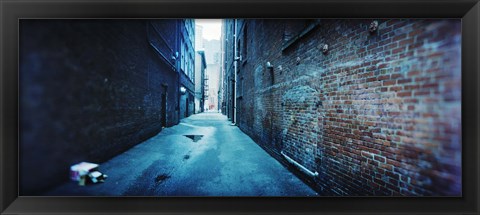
(204, 155)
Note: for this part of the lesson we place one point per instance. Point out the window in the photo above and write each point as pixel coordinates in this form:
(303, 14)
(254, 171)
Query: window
(191, 68)
(187, 60)
(238, 49)
(244, 44)
(182, 53)
(240, 88)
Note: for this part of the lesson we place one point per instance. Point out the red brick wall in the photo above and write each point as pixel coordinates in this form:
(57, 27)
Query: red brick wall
(379, 114)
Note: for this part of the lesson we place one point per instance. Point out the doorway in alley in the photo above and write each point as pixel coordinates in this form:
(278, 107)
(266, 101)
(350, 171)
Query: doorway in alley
(186, 107)
(164, 107)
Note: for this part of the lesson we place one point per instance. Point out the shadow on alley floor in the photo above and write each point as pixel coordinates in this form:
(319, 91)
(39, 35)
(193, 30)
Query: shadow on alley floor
(222, 162)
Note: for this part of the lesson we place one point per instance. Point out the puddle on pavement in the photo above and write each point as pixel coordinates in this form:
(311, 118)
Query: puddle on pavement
(161, 178)
(195, 138)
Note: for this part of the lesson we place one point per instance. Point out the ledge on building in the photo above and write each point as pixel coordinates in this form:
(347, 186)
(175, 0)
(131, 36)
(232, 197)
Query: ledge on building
(304, 32)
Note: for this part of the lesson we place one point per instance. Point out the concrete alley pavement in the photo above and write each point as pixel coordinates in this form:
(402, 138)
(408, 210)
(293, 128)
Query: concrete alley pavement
(223, 162)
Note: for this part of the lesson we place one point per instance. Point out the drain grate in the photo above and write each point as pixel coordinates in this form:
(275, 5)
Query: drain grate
(161, 178)
(195, 138)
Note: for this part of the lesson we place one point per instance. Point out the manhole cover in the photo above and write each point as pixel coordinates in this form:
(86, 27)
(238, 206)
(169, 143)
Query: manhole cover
(195, 138)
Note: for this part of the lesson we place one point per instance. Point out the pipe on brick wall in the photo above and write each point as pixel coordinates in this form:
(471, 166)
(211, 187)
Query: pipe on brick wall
(235, 63)
(302, 168)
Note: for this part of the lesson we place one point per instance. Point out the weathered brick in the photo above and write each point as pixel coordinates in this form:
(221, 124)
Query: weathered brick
(375, 95)
(388, 83)
(404, 94)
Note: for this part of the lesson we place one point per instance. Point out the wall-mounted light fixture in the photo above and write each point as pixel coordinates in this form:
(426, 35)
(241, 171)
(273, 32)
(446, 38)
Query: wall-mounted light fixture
(183, 90)
(272, 74)
(373, 26)
(174, 56)
(325, 49)
(269, 65)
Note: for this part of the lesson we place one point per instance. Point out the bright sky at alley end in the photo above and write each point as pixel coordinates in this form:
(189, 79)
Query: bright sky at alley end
(211, 28)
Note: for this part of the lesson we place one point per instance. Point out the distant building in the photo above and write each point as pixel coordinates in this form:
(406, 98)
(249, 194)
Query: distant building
(200, 67)
(199, 38)
(221, 96)
(187, 67)
(213, 57)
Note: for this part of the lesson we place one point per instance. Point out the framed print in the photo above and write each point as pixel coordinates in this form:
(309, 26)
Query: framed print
(194, 107)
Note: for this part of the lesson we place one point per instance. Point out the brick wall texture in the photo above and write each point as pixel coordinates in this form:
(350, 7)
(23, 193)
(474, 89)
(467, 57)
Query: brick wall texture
(378, 114)
(89, 89)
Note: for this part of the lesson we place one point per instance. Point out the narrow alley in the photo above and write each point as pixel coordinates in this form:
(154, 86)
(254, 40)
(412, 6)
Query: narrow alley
(220, 161)
(240, 107)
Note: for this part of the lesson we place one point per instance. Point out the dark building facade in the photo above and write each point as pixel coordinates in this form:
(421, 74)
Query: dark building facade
(231, 58)
(363, 107)
(90, 89)
(200, 67)
(187, 67)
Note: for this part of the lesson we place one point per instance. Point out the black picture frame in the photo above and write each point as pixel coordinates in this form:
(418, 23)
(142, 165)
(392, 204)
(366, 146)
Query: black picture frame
(12, 10)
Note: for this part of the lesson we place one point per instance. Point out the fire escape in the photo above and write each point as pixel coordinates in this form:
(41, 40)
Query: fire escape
(206, 88)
